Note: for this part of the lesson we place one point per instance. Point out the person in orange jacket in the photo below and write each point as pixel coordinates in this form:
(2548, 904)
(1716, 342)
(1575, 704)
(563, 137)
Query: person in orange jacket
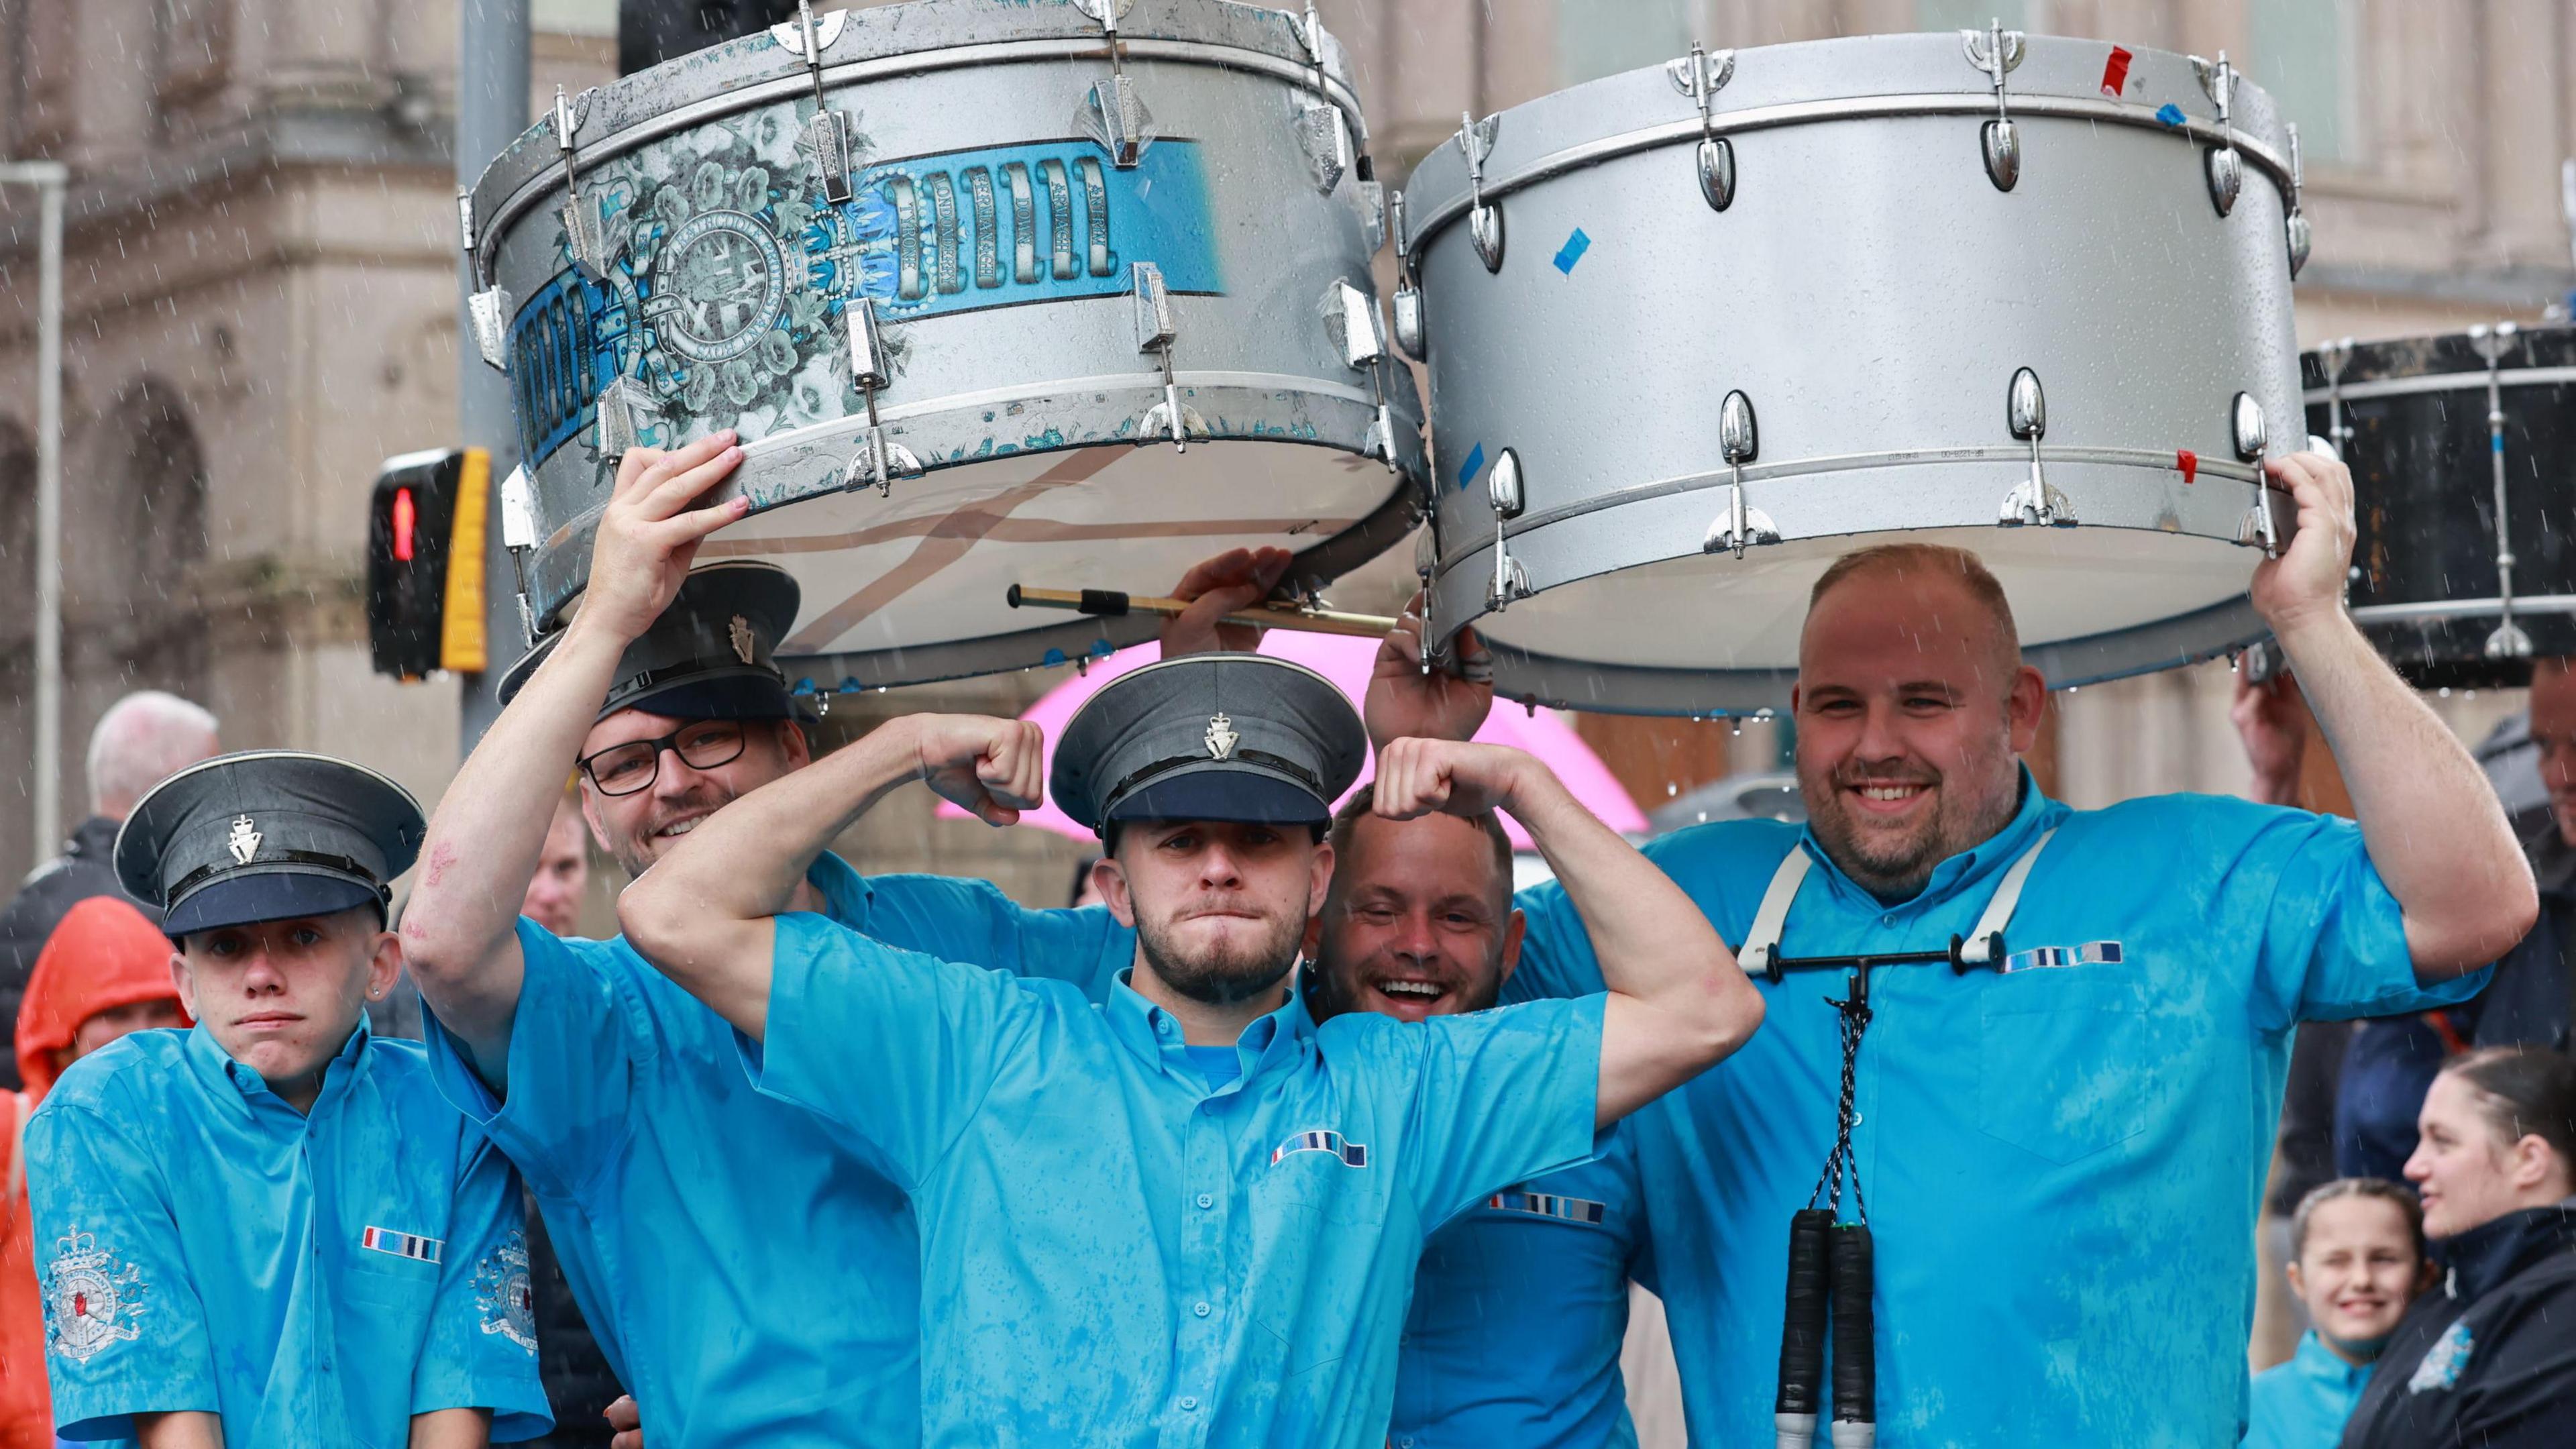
(104, 972)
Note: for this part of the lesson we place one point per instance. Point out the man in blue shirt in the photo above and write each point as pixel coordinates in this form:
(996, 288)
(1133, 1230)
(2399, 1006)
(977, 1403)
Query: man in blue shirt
(1123, 1242)
(2061, 1150)
(271, 1230)
(1520, 1306)
(750, 1279)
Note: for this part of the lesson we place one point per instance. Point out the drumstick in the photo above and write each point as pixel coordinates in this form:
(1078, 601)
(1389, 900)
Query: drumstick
(1802, 1336)
(1855, 1424)
(1111, 604)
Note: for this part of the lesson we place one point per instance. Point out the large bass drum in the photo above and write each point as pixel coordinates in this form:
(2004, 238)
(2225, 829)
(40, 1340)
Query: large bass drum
(996, 293)
(1694, 331)
(2462, 449)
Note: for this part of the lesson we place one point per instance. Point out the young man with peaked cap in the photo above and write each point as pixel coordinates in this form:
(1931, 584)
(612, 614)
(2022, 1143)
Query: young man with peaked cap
(271, 1230)
(2062, 1153)
(1520, 1306)
(752, 1281)
(1189, 1216)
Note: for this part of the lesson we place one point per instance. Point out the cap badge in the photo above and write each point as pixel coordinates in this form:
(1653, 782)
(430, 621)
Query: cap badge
(244, 840)
(740, 631)
(1221, 737)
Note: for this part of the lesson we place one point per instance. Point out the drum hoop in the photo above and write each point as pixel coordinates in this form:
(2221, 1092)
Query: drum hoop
(2440, 382)
(2142, 458)
(2436, 610)
(1429, 221)
(547, 180)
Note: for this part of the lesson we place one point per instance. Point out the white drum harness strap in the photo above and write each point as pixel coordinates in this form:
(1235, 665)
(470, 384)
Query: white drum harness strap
(1830, 1271)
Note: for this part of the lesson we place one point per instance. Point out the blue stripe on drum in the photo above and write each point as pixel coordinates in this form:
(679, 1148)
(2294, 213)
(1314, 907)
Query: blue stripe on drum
(709, 298)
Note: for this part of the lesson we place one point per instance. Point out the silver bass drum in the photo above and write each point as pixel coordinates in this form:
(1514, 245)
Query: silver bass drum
(1695, 331)
(1066, 295)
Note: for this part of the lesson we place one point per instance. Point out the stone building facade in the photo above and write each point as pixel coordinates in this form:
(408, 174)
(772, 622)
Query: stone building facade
(261, 306)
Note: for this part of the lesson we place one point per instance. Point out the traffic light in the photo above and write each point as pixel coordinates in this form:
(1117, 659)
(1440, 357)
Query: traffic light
(425, 563)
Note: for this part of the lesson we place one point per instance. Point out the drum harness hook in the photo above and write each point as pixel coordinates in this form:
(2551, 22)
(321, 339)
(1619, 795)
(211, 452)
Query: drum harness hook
(1832, 1274)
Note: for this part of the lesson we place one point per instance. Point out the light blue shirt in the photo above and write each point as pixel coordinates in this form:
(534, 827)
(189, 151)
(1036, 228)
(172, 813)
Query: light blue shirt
(2303, 1404)
(2062, 1163)
(749, 1278)
(314, 1279)
(1520, 1309)
(1113, 1253)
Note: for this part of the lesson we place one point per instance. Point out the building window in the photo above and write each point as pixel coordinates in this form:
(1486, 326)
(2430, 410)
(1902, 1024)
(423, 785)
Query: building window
(2303, 56)
(1595, 38)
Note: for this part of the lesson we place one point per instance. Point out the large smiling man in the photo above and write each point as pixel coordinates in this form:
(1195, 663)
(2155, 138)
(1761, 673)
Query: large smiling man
(2061, 1151)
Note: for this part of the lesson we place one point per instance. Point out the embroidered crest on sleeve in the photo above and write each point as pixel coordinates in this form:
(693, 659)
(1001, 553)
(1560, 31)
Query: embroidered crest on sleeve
(2442, 1363)
(91, 1298)
(1352, 1154)
(502, 1291)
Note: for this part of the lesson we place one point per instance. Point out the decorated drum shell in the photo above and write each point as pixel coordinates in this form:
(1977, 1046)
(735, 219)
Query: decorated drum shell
(2410, 416)
(998, 243)
(1872, 292)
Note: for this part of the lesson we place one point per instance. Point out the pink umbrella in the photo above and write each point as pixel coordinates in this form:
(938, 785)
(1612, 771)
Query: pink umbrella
(1346, 663)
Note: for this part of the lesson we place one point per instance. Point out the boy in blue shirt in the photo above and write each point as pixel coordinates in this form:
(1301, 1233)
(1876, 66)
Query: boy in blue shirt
(271, 1230)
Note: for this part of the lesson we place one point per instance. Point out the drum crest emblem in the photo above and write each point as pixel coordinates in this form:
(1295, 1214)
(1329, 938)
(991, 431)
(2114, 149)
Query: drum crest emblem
(91, 1298)
(1221, 738)
(503, 1292)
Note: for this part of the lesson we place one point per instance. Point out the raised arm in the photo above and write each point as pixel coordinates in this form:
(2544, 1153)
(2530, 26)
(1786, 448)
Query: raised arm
(1678, 1002)
(702, 915)
(458, 932)
(2434, 829)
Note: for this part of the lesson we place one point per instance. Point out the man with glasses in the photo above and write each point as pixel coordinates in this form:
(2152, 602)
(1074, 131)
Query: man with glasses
(750, 1280)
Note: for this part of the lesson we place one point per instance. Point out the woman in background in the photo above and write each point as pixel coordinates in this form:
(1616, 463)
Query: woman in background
(2488, 1360)
(2356, 1261)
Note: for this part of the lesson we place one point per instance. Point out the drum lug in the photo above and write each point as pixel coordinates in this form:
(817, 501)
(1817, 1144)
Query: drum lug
(2034, 500)
(1368, 198)
(519, 536)
(1700, 75)
(2492, 343)
(584, 234)
(1408, 322)
(1503, 493)
(1351, 319)
(2225, 165)
(1997, 52)
(2247, 429)
(1113, 115)
(872, 371)
(1170, 420)
(1326, 140)
(465, 221)
(1484, 223)
(622, 408)
(490, 310)
(827, 132)
(2297, 223)
(1740, 442)
(827, 136)
(879, 463)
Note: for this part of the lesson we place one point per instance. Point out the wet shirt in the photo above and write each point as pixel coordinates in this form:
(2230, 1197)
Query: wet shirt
(1520, 1308)
(750, 1279)
(1119, 1254)
(2053, 1154)
(314, 1279)
(2302, 1404)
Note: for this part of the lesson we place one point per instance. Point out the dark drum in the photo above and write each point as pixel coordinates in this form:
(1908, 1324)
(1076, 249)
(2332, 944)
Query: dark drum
(2445, 436)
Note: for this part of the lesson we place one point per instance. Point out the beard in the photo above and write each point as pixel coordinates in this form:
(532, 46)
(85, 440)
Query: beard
(1894, 862)
(1226, 973)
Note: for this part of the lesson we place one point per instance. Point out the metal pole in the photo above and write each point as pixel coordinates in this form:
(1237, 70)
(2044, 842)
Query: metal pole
(49, 178)
(491, 111)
